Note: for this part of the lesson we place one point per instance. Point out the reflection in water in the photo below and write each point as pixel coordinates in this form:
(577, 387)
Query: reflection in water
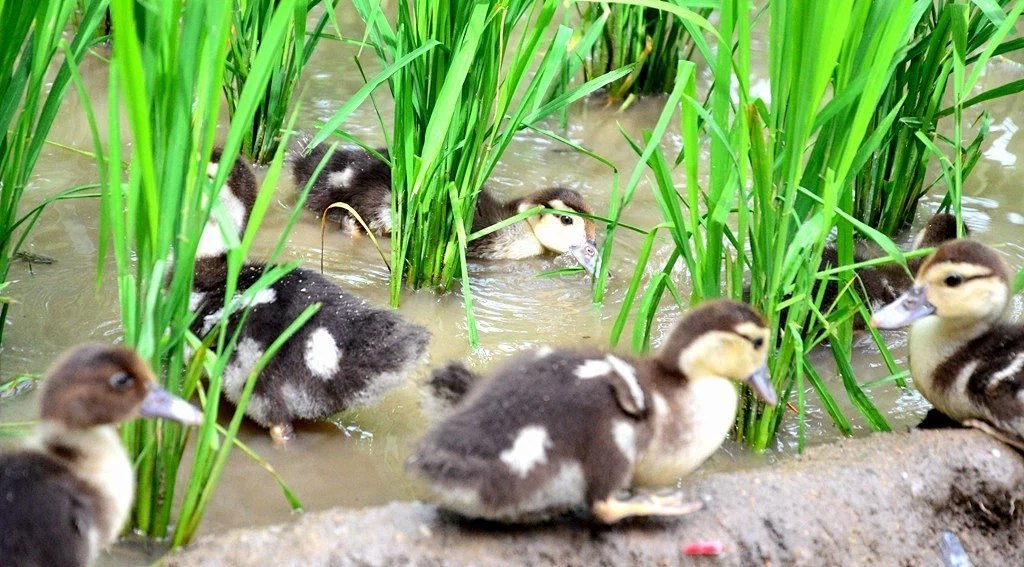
(356, 460)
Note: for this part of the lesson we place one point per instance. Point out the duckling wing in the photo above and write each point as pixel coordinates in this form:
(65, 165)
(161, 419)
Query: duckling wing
(48, 516)
(989, 372)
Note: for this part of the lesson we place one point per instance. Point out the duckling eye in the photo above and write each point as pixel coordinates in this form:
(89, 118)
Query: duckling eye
(121, 381)
(566, 219)
(758, 342)
(953, 280)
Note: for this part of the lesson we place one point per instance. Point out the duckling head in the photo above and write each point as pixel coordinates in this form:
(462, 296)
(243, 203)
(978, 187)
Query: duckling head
(97, 384)
(963, 281)
(235, 200)
(724, 339)
(563, 233)
(939, 229)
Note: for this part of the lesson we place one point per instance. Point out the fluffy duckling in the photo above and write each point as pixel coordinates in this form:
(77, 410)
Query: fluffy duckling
(883, 283)
(355, 177)
(67, 493)
(556, 429)
(348, 354)
(965, 358)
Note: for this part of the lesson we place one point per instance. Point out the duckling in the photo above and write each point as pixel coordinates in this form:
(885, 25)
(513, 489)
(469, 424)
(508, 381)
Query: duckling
(556, 429)
(355, 177)
(348, 354)
(883, 283)
(965, 357)
(67, 493)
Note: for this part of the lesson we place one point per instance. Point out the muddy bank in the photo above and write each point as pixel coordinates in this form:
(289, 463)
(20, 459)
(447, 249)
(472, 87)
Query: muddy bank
(879, 500)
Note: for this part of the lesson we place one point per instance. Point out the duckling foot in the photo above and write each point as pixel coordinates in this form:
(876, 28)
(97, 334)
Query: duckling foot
(614, 509)
(281, 433)
(992, 431)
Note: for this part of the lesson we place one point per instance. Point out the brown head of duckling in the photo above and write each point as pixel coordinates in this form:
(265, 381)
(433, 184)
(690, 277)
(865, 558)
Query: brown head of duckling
(562, 233)
(722, 338)
(100, 384)
(962, 280)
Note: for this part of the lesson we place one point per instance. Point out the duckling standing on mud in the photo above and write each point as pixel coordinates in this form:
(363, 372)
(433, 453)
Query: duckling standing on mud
(67, 494)
(556, 429)
(965, 358)
(348, 354)
(355, 177)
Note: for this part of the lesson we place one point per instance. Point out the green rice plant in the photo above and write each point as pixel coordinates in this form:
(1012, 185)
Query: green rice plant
(653, 41)
(780, 184)
(250, 22)
(474, 73)
(166, 75)
(892, 178)
(29, 100)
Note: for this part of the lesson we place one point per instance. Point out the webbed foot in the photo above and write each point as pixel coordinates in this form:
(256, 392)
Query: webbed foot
(281, 433)
(993, 432)
(615, 509)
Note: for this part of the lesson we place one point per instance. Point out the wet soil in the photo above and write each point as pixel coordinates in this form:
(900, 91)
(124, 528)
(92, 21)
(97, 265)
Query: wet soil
(881, 500)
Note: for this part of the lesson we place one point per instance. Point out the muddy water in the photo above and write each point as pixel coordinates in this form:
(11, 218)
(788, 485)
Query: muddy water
(356, 459)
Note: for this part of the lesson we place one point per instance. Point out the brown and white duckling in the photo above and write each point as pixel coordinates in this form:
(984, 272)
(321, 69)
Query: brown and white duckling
(348, 354)
(883, 283)
(556, 429)
(354, 176)
(965, 358)
(66, 495)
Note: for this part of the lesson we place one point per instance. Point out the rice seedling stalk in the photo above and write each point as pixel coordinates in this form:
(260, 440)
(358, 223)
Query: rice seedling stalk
(29, 102)
(465, 77)
(167, 73)
(650, 39)
(250, 22)
(780, 180)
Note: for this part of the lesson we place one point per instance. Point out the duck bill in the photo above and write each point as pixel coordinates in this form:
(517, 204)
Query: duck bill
(761, 382)
(160, 403)
(586, 255)
(907, 308)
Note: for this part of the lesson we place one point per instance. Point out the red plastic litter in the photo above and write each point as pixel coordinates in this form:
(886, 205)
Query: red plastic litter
(713, 547)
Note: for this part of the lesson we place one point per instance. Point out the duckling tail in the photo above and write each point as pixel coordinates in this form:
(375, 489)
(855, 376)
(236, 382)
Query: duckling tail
(448, 385)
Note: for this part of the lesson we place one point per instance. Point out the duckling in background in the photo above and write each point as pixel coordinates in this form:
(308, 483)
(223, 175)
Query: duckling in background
(883, 283)
(66, 495)
(965, 358)
(355, 177)
(348, 354)
(556, 429)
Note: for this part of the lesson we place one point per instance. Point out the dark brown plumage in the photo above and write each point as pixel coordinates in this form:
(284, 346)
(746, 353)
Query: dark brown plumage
(348, 354)
(557, 429)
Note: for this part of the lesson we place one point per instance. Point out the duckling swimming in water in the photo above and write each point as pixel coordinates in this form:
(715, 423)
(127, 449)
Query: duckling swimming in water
(965, 358)
(67, 494)
(556, 429)
(355, 177)
(883, 283)
(348, 354)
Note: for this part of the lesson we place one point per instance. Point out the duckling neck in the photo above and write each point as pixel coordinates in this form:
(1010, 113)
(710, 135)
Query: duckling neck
(690, 423)
(932, 341)
(97, 457)
(210, 272)
(513, 242)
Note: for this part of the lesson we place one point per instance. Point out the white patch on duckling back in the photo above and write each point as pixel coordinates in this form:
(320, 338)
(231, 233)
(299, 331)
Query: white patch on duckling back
(247, 353)
(262, 296)
(592, 369)
(528, 450)
(625, 438)
(211, 243)
(322, 353)
(195, 300)
(543, 351)
(341, 178)
(1010, 371)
